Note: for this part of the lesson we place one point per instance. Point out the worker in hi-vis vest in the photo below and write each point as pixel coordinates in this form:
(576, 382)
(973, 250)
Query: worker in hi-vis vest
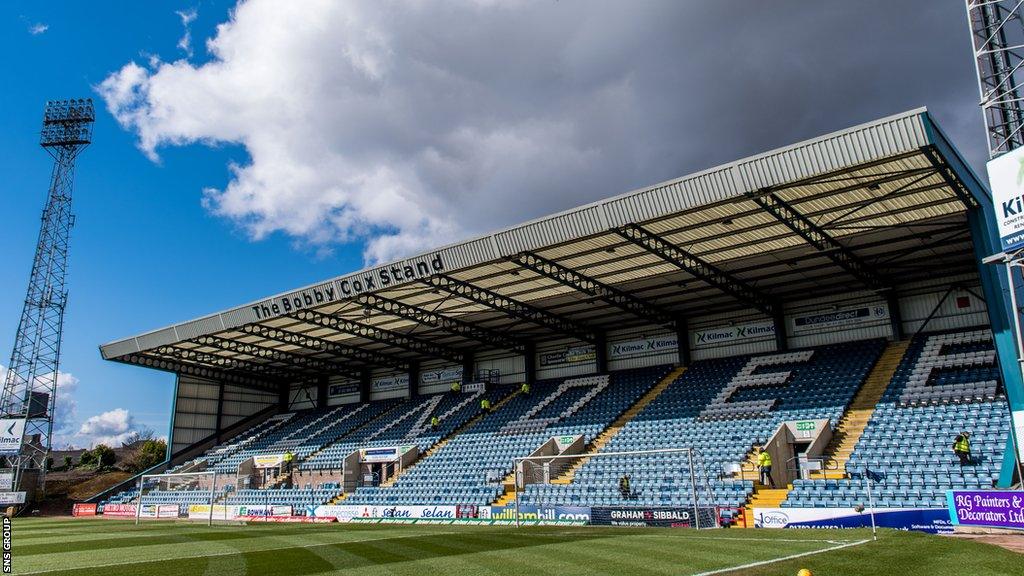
(525, 389)
(456, 387)
(485, 405)
(434, 422)
(764, 464)
(962, 448)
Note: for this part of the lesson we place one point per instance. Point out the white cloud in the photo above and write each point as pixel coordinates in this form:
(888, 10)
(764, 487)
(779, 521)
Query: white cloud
(406, 125)
(187, 18)
(110, 428)
(38, 28)
(66, 406)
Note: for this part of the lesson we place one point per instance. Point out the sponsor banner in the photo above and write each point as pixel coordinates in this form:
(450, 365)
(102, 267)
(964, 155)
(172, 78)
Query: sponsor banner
(389, 454)
(570, 355)
(842, 317)
(11, 432)
(643, 347)
(442, 376)
(268, 460)
(542, 513)
(159, 511)
(236, 511)
(1006, 177)
(343, 389)
(119, 510)
(1018, 428)
(81, 509)
(6, 480)
(731, 334)
(346, 513)
(637, 516)
(341, 512)
(472, 387)
(991, 508)
(289, 519)
(12, 497)
(390, 383)
(933, 520)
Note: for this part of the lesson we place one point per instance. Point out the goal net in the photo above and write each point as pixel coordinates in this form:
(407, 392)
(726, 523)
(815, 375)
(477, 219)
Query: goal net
(184, 495)
(666, 487)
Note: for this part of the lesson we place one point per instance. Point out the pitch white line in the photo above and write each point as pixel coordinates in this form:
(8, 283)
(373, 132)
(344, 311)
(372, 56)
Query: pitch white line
(782, 559)
(232, 552)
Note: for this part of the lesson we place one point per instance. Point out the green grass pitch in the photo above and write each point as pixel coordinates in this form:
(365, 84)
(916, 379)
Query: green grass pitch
(110, 547)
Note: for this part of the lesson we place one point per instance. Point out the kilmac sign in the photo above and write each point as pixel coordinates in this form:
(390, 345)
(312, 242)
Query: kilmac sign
(1006, 175)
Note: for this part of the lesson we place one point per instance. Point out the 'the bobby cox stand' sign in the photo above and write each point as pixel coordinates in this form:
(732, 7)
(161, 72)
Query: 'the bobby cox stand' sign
(992, 508)
(1006, 176)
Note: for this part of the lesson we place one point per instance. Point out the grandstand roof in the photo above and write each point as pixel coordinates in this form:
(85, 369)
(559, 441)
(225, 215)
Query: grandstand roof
(873, 206)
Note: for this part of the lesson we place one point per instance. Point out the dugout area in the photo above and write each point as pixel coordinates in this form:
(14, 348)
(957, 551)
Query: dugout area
(882, 215)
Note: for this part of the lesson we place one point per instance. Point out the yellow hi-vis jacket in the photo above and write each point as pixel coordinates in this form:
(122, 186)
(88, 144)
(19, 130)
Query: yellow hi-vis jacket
(485, 404)
(764, 459)
(963, 444)
(525, 388)
(288, 456)
(434, 421)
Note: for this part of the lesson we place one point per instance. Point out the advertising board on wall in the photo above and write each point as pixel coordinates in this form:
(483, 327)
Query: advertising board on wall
(988, 508)
(933, 520)
(346, 513)
(851, 316)
(639, 516)
(83, 509)
(236, 511)
(6, 480)
(385, 383)
(442, 376)
(11, 432)
(1006, 176)
(643, 347)
(267, 460)
(385, 454)
(343, 389)
(12, 498)
(119, 510)
(568, 355)
(732, 334)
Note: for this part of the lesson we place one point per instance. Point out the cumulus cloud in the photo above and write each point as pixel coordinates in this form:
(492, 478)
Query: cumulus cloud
(38, 28)
(187, 18)
(402, 126)
(110, 428)
(66, 406)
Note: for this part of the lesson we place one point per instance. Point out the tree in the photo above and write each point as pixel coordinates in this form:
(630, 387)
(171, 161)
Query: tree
(137, 435)
(148, 454)
(68, 462)
(87, 459)
(103, 456)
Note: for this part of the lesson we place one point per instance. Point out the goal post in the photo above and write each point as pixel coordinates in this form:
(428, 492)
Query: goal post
(170, 495)
(669, 486)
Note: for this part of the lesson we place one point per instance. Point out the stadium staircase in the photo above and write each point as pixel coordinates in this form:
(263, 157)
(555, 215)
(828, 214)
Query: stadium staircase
(851, 427)
(443, 441)
(615, 427)
(763, 497)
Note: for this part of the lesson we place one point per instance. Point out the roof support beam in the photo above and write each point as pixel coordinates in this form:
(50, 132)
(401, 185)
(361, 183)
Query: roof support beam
(698, 267)
(583, 283)
(950, 178)
(315, 344)
(299, 361)
(815, 236)
(512, 307)
(422, 315)
(189, 369)
(397, 339)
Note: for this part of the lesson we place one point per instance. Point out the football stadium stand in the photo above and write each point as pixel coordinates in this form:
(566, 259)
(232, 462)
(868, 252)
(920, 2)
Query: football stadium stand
(826, 301)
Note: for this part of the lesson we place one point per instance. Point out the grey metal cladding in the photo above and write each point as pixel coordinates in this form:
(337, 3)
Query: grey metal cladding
(159, 338)
(469, 253)
(120, 348)
(199, 327)
(554, 230)
(884, 138)
(671, 197)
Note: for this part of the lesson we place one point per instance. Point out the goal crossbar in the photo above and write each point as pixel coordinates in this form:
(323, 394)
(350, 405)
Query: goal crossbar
(149, 478)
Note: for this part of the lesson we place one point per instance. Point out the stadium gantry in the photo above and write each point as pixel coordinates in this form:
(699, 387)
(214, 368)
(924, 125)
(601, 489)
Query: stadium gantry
(855, 251)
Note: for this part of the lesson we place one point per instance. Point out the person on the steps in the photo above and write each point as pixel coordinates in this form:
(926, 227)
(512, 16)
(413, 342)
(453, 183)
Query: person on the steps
(287, 461)
(962, 448)
(624, 487)
(485, 406)
(434, 423)
(764, 465)
(525, 389)
(456, 387)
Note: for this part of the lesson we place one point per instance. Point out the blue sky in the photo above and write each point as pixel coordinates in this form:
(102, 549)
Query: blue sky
(247, 149)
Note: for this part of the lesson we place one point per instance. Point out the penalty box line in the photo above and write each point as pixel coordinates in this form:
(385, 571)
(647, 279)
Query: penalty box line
(783, 558)
(233, 552)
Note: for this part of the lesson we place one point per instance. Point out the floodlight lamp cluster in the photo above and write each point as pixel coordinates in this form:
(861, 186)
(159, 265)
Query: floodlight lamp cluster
(67, 122)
